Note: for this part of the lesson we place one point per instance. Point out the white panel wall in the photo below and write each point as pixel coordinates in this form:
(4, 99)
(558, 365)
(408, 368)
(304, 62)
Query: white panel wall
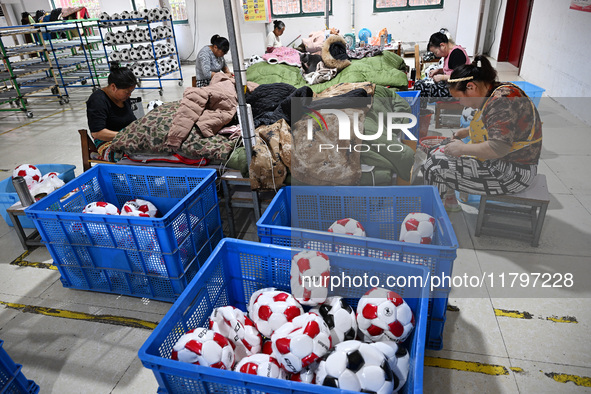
(557, 55)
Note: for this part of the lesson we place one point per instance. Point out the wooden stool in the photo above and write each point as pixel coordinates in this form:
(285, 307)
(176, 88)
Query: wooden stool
(447, 108)
(530, 204)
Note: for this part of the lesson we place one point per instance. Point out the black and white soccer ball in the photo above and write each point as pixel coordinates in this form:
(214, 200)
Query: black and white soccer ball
(156, 14)
(115, 55)
(146, 53)
(134, 54)
(125, 55)
(339, 317)
(398, 359)
(125, 15)
(109, 37)
(104, 16)
(116, 19)
(129, 35)
(174, 64)
(357, 366)
(144, 13)
(136, 15)
(120, 37)
(148, 70)
(167, 31)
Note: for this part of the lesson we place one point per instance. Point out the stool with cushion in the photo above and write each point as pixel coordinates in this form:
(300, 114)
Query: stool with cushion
(500, 215)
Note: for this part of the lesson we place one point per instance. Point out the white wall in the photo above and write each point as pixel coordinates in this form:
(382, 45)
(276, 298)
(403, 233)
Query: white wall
(557, 55)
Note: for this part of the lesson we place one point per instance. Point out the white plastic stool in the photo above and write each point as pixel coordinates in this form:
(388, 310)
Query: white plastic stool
(501, 219)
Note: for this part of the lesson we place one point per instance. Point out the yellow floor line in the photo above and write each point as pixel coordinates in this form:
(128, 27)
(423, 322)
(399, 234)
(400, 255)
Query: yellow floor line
(21, 262)
(107, 319)
(516, 369)
(528, 316)
(583, 381)
(468, 366)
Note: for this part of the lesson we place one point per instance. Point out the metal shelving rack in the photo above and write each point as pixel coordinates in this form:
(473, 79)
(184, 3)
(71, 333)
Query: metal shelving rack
(27, 77)
(142, 22)
(79, 58)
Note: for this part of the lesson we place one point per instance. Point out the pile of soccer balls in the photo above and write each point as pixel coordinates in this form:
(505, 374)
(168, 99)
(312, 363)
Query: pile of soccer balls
(417, 227)
(331, 345)
(127, 17)
(37, 183)
(136, 207)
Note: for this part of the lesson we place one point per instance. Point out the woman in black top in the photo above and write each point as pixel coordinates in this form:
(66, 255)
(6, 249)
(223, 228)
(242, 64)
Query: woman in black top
(109, 109)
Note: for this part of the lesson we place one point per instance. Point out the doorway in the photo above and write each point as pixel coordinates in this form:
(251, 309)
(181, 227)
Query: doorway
(515, 29)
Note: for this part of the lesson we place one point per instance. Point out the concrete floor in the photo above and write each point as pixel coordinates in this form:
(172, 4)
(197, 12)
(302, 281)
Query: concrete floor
(493, 342)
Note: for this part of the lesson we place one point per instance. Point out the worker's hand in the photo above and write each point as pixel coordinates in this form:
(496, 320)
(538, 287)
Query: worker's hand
(438, 77)
(454, 148)
(461, 133)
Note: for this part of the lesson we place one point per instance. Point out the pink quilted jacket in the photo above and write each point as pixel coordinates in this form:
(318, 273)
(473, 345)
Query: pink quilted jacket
(211, 107)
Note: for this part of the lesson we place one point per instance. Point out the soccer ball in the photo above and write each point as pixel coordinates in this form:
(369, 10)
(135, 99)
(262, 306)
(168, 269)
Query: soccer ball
(270, 308)
(398, 359)
(267, 347)
(310, 272)
(154, 104)
(125, 15)
(165, 13)
(301, 342)
(115, 17)
(139, 207)
(104, 16)
(339, 317)
(347, 226)
(49, 175)
(238, 328)
(204, 347)
(101, 208)
(356, 366)
(31, 174)
(417, 228)
(261, 365)
(136, 15)
(306, 375)
(382, 314)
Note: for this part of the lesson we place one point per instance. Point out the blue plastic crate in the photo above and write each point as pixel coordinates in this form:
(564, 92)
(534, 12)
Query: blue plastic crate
(233, 272)
(8, 195)
(412, 97)
(12, 379)
(138, 256)
(299, 217)
(533, 92)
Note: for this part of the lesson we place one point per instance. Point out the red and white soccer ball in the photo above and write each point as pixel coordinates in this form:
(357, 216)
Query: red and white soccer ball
(398, 359)
(31, 174)
(138, 207)
(383, 315)
(204, 347)
(417, 228)
(49, 175)
(270, 308)
(339, 317)
(232, 323)
(310, 273)
(101, 208)
(301, 342)
(261, 365)
(347, 226)
(356, 366)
